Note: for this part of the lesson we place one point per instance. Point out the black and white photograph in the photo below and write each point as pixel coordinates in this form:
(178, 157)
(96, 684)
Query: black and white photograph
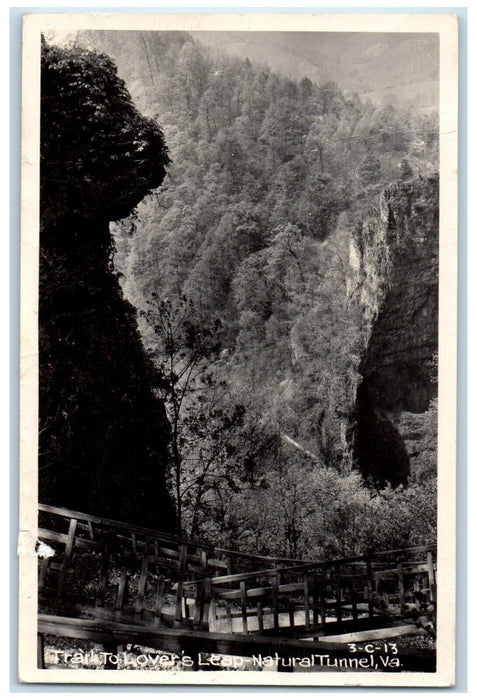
(239, 290)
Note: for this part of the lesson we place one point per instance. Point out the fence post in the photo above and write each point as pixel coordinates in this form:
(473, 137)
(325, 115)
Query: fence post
(230, 622)
(142, 579)
(213, 611)
(260, 617)
(306, 593)
(432, 577)
(276, 621)
(402, 594)
(45, 563)
(315, 604)
(338, 593)
(180, 582)
(40, 649)
(203, 560)
(121, 594)
(207, 599)
(323, 609)
(67, 554)
(354, 608)
(369, 581)
(103, 581)
(198, 605)
(291, 614)
(243, 605)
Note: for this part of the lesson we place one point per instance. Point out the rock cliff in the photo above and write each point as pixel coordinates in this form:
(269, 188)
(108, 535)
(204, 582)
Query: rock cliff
(395, 261)
(103, 433)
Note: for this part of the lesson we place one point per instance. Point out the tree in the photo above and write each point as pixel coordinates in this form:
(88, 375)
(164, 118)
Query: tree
(184, 350)
(405, 170)
(370, 170)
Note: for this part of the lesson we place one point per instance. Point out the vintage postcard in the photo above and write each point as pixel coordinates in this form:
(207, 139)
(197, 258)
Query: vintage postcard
(238, 371)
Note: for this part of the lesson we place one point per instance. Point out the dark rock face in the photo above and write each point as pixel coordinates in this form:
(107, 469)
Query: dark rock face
(99, 156)
(396, 260)
(103, 433)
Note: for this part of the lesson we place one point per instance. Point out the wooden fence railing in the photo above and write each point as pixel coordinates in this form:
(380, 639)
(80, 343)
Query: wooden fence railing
(108, 564)
(108, 570)
(352, 593)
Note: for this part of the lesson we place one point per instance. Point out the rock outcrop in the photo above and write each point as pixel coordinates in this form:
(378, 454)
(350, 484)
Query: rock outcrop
(103, 433)
(396, 286)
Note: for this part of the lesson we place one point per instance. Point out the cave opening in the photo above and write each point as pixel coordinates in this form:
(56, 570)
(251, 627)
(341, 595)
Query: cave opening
(379, 447)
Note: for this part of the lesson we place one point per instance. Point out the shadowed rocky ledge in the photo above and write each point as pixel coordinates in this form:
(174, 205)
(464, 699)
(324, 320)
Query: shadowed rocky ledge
(103, 433)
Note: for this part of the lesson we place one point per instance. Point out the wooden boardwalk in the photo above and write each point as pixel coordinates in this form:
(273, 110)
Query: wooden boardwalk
(115, 583)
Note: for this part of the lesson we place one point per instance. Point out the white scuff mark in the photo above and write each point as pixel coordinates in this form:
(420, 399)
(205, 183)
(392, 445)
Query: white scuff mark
(44, 551)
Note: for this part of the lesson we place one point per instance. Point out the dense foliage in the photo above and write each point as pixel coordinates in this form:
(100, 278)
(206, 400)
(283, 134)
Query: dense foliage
(103, 434)
(99, 156)
(250, 234)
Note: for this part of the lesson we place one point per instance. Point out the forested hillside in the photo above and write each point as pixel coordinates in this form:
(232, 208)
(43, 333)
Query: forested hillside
(240, 268)
(390, 68)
